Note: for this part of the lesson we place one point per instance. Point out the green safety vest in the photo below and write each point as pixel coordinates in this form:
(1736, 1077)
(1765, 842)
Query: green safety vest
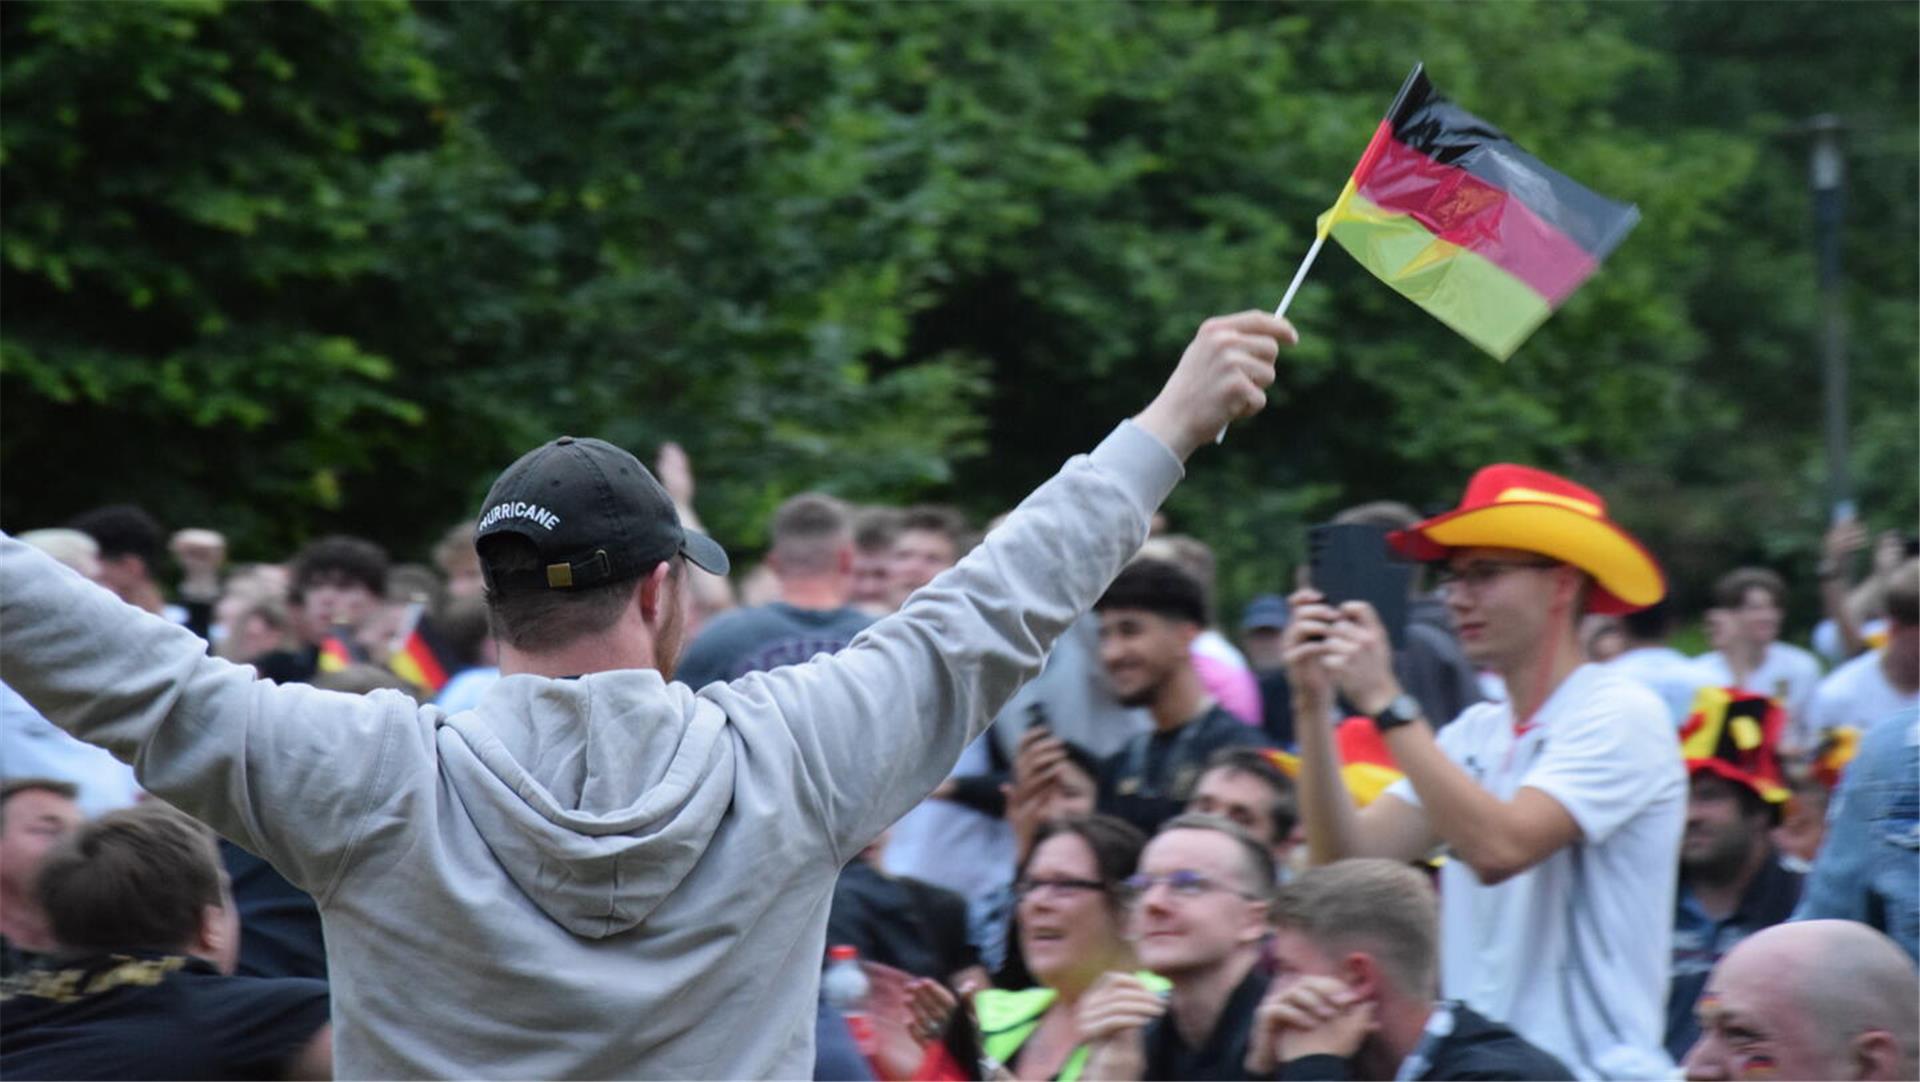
(1007, 1019)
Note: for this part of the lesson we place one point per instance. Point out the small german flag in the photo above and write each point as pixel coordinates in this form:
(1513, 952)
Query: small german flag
(339, 651)
(1458, 219)
(423, 659)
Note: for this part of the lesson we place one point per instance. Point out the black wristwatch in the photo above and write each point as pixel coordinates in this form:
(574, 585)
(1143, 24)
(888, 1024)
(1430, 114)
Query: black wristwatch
(1403, 710)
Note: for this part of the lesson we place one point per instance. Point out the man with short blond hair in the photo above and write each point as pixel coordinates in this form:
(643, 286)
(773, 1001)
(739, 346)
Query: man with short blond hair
(1356, 972)
(812, 561)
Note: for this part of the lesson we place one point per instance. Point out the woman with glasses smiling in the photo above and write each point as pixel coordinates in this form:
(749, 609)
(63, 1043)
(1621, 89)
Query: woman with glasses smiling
(1072, 920)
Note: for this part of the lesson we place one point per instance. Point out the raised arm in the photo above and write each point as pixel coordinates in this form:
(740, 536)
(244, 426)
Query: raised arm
(261, 764)
(882, 722)
(1389, 827)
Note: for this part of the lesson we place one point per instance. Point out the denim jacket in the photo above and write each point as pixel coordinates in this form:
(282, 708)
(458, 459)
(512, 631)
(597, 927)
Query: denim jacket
(1869, 868)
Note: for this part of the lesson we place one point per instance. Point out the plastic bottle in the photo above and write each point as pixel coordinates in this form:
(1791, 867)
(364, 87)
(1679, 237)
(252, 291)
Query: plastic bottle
(846, 988)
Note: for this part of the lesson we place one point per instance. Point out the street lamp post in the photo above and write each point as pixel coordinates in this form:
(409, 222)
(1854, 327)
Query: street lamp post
(1827, 175)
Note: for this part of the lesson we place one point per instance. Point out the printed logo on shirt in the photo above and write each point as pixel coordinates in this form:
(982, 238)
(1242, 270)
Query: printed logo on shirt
(1184, 780)
(73, 985)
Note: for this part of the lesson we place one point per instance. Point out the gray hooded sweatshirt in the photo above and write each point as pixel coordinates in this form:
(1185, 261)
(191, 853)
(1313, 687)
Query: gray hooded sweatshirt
(605, 877)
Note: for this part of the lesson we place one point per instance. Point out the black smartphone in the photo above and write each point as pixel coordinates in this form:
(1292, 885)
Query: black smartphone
(1350, 562)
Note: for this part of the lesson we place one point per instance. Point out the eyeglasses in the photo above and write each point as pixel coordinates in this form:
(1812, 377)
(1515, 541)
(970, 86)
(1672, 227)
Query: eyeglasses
(1024, 887)
(1475, 576)
(1184, 883)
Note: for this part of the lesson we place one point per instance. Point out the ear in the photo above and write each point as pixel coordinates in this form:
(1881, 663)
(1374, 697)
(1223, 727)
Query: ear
(1362, 974)
(211, 940)
(843, 560)
(1566, 589)
(652, 592)
(1874, 1054)
(1187, 632)
(1257, 925)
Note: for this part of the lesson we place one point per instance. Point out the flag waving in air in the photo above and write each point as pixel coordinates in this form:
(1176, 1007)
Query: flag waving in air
(1451, 213)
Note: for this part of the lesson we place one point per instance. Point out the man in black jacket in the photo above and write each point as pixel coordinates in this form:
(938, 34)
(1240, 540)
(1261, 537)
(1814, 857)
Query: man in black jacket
(1353, 988)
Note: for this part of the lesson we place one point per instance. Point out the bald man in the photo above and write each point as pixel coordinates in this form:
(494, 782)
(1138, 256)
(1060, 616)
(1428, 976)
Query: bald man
(1812, 999)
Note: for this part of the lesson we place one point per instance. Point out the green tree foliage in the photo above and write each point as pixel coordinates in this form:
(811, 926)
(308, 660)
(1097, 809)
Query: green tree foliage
(284, 268)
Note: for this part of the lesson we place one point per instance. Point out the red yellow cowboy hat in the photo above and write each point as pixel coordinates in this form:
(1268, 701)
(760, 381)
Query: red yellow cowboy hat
(1518, 507)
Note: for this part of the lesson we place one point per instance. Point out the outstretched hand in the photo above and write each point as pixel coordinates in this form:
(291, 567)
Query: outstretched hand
(1222, 377)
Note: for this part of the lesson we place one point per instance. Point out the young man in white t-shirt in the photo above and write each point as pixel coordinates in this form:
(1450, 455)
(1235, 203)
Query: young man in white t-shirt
(1562, 808)
(1882, 683)
(1749, 603)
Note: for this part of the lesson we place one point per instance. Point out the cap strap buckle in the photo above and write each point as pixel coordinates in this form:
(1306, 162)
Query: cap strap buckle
(595, 568)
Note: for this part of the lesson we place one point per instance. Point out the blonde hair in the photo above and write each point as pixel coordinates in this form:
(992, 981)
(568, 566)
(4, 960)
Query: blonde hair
(1381, 906)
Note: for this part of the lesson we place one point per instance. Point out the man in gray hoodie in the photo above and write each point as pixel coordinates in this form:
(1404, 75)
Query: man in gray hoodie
(598, 873)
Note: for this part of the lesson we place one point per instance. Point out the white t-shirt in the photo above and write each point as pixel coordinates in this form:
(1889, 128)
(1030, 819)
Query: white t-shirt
(1788, 674)
(1573, 953)
(951, 845)
(1669, 673)
(1857, 694)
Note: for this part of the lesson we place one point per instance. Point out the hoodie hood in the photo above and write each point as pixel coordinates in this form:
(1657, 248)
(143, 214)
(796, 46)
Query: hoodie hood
(596, 794)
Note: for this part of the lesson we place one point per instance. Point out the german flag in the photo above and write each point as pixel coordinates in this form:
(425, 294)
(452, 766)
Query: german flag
(423, 659)
(338, 651)
(1451, 213)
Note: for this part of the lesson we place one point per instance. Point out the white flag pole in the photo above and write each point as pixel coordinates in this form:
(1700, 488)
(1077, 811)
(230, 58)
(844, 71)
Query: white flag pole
(1299, 276)
(1286, 301)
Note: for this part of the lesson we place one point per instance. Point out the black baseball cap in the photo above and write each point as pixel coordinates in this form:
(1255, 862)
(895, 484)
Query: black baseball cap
(593, 513)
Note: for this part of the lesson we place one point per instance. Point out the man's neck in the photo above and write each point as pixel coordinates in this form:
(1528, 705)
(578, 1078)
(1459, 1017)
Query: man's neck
(24, 925)
(820, 592)
(1399, 1025)
(1719, 897)
(146, 595)
(1179, 700)
(1200, 998)
(1900, 667)
(1532, 679)
(626, 645)
(1743, 658)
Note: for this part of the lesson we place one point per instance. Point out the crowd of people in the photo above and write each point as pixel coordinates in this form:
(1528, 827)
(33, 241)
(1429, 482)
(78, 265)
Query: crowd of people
(576, 799)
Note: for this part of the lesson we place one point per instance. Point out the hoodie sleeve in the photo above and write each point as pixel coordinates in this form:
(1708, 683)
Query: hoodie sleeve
(282, 771)
(879, 724)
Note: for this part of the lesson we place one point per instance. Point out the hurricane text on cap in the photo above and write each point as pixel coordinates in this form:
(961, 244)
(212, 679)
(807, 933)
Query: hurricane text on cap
(533, 512)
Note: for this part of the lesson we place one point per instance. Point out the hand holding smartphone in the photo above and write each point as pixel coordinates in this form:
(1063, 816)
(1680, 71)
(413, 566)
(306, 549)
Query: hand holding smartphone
(1350, 562)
